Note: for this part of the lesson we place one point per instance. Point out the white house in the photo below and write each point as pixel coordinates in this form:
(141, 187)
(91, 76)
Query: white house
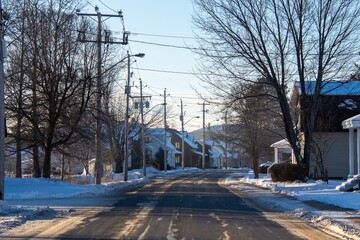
(340, 100)
(283, 151)
(352, 124)
(155, 140)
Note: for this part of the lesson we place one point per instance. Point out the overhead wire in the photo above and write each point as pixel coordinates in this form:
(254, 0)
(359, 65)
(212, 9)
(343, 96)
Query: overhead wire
(172, 97)
(111, 9)
(161, 35)
(169, 71)
(90, 4)
(165, 45)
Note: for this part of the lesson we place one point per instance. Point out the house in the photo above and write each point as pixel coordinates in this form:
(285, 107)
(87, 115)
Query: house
(339, 101)
(206, 154)
(353, 179)
(222, 155)
(155, 140)
(233, 155)
(217, 155)
(191, 154)
(283, 152)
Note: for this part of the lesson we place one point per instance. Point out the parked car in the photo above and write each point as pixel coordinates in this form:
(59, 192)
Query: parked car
(264, 166)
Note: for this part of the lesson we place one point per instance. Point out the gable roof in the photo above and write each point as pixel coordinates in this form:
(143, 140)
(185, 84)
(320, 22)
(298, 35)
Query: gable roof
(339, 100)
(186, 140)
(284, 143)
(156, 136)
(353, 122)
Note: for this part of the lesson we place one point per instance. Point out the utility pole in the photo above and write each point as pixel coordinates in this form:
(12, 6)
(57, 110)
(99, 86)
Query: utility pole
(142, 129)
(98, 159)
(182, 137)
(127, 92)
(226, 140)
(203, 136)
(2, 107)
(142, 97)
(165, 138)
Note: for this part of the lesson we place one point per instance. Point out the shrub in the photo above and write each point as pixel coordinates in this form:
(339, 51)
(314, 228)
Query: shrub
(286, 172)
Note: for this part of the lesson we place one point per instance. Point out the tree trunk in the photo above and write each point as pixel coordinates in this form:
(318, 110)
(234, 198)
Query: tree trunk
(62, 167)
(36, 163)
(256, 168)
(291, 134)
(118, 161)
(47, 163)
(18, 147)
(36, 173)
(69, 167)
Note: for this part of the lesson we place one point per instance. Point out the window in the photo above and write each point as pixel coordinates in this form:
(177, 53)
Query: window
(177, 145)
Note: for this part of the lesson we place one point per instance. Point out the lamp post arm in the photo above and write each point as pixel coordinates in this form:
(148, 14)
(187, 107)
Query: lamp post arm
(191, 119)
(122, 60)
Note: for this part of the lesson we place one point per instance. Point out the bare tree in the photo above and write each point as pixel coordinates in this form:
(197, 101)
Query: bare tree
(57, 88)
(257, 114)
(281, 42)
(114, 123)
(22, 67)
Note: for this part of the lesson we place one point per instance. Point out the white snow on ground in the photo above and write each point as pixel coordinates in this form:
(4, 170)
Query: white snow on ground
(40, 198)
(311, 190)
(344, 221)
(21, 196)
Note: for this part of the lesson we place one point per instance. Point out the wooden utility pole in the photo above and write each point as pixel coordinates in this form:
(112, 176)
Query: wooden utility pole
(203, 136)
(165, 138)
(182, 137)
(226, 139)
(98, 159)
(128, 92)
(142, 129)
(126, 152)
(99, 41)
(141, 106)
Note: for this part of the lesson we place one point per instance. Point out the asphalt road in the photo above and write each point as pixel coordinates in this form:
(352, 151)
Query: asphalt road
(192, 206)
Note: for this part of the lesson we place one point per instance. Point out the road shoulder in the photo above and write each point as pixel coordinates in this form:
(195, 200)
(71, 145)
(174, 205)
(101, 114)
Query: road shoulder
(275, 206)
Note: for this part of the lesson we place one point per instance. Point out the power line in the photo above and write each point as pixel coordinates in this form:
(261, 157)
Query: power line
(111, 9)
(90, 3)
(165, 45)
(160, 35)
(168, 71)
(207, 49)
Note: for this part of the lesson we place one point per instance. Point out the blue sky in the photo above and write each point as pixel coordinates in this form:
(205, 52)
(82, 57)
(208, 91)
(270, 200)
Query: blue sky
(161, 22)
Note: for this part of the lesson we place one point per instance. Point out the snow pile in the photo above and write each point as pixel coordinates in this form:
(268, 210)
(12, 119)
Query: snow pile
(13, 216)
(311, 190)
(308, 200)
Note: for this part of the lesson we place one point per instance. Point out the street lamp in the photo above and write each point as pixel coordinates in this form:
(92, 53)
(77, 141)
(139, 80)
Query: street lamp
(182, 137)
(127, 92)
(209, 123)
